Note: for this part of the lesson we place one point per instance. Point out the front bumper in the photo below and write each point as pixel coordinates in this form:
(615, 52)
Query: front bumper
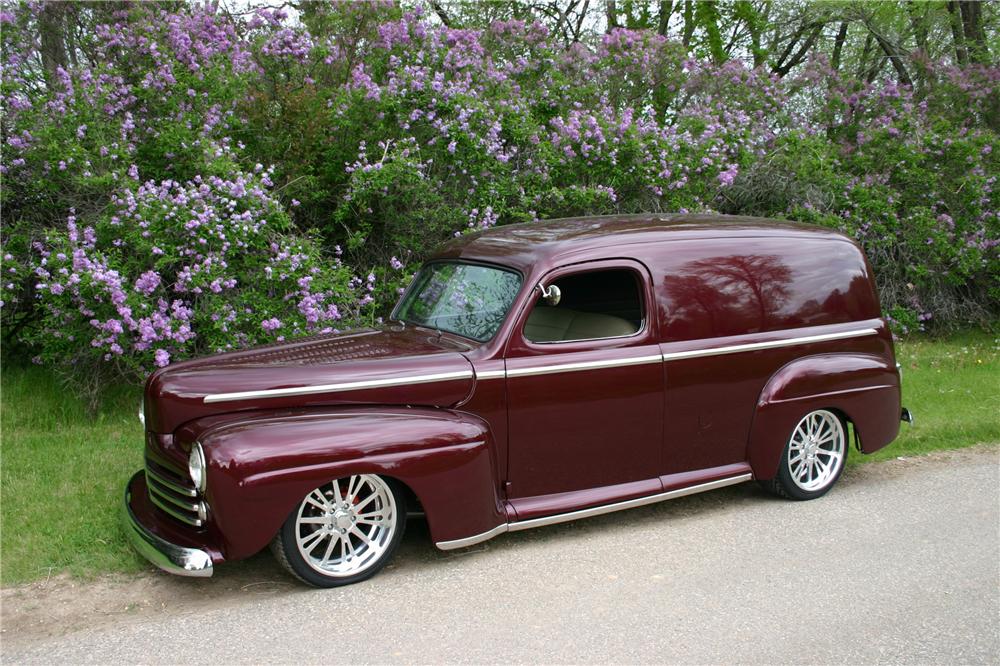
(172, 558)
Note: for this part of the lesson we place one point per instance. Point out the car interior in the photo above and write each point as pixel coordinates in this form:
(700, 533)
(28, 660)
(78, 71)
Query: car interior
(593, 305)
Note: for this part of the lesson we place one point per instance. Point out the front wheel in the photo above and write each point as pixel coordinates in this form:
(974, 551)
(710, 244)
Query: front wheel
(813, 458)
(342, 532)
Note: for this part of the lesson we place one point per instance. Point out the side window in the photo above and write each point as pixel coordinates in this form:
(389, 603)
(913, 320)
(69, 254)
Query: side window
(593, 305)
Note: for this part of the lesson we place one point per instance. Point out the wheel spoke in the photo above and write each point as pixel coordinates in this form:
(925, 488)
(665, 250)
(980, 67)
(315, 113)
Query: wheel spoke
(309, 542)
(829, 437)
(312, 520)
(353, 486)
(365, 502)
(318, 500)
(337, 497)
(329, 550)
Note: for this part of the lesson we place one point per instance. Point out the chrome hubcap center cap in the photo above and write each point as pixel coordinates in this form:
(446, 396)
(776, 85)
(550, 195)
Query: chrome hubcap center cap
(342, 519)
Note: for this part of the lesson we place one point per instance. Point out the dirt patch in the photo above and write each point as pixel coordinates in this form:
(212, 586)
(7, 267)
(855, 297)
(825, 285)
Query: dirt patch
(61, 605)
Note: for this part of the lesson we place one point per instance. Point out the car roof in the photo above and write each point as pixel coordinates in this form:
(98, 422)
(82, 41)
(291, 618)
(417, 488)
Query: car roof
(523, 246)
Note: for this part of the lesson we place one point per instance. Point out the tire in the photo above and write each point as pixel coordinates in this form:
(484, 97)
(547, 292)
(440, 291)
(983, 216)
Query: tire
(343, 532)
(813, 458)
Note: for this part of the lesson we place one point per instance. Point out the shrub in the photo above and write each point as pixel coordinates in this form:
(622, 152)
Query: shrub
(175, 269)
(385, 134)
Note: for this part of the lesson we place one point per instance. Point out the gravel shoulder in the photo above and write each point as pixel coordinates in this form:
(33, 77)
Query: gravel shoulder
(900, 563)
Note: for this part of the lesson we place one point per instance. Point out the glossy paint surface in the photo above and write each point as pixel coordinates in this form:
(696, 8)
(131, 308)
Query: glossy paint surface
(523, 430)
(177, 394)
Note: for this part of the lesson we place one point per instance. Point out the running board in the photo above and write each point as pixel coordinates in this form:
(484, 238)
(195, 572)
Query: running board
(593, 511)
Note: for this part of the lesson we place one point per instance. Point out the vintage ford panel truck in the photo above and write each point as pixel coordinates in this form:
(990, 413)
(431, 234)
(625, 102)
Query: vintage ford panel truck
(531, 374)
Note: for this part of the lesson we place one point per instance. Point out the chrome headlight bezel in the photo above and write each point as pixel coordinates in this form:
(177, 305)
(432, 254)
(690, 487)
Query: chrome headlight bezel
(197, 467)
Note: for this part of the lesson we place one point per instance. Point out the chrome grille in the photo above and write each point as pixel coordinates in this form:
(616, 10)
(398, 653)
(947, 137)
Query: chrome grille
(173, 494)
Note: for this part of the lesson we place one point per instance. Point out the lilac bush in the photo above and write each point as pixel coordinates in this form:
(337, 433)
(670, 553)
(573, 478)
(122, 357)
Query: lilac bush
(173, 268)
(192, 181)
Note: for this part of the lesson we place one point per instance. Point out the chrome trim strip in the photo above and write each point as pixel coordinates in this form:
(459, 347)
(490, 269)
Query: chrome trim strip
(491, 374)
(179, 516)
(167, 556)
(771, 344)
(582, 365)
(332, 388)
(170, 485)
(472, 540)
(593, 511)
(629, 504)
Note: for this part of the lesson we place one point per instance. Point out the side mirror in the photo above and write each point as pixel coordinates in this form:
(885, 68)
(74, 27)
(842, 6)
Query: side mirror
(551, 294)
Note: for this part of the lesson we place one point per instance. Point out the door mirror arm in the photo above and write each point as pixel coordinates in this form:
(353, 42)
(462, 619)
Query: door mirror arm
(551, 294)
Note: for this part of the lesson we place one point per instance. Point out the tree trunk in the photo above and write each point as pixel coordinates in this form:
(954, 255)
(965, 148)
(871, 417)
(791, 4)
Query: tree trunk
(838, 46)
(957, 35)
(707, 14)
(688, 23)
(975, 37)
(919, 24)
(611, 10)
(666, 11)
(52, 39)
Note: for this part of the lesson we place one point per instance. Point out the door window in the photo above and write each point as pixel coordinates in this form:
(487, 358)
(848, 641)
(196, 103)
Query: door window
(592, 306)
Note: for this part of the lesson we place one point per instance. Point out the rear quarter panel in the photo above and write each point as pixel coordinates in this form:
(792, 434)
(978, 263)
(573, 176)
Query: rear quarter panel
(863, 388)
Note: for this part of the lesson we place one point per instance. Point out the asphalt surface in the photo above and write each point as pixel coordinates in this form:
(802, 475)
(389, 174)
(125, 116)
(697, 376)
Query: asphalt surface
(900, 563)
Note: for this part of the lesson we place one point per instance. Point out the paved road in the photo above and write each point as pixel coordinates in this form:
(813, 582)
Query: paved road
(900, 564)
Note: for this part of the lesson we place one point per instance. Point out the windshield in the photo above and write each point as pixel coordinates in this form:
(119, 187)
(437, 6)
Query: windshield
(466, 299)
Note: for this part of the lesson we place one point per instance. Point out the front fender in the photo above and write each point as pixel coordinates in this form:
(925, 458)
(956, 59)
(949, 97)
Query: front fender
(261, 468)
(864, 388)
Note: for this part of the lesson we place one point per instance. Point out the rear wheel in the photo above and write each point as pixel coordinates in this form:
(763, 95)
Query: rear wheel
(813, 458)
(342, 532)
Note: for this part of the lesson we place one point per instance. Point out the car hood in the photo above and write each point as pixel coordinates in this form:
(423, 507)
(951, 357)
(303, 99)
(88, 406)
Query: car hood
(389, 366)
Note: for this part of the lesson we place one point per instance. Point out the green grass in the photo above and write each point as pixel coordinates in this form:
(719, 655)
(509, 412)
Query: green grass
(63, 472)
(62, 478)
(952, 388)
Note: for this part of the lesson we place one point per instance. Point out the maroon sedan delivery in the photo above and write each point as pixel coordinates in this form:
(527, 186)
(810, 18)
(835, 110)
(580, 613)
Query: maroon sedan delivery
(530, 375)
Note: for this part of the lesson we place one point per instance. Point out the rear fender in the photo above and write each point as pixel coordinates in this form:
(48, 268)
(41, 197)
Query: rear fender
(863, 388)
(260, 469)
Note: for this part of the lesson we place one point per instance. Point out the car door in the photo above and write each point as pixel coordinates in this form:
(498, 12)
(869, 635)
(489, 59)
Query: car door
(585, 389)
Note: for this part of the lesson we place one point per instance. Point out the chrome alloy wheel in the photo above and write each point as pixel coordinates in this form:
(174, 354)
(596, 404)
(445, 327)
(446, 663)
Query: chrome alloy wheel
(816, 451)
(345, 527)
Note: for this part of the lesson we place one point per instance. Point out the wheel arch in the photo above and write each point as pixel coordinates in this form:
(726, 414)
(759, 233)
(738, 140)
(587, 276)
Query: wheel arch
(863, 389)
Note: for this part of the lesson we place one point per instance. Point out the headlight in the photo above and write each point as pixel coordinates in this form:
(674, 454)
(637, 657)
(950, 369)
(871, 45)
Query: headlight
(196, 466)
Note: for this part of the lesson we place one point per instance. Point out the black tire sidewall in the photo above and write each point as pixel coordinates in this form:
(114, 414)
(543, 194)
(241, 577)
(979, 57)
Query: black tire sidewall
(302, 570)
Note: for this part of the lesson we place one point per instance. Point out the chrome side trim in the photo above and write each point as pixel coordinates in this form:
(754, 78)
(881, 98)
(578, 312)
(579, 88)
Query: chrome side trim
(491, 374)
(167, 556)
(593, 511)
(170, 485)
(332, 388)
(771, 344)
(582, 365)
(629, 504)
(472, 540)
